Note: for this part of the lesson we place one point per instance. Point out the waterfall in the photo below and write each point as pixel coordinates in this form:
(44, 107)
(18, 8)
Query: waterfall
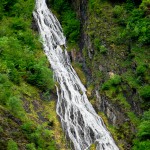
(79, 120)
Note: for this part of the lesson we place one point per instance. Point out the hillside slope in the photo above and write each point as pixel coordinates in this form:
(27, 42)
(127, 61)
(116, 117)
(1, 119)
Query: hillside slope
(27, 93)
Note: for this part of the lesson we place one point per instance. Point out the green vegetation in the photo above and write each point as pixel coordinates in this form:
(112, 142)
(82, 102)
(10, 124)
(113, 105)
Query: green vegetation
(12, 145)
(142, 140)
(68, 19)
(118, 54)
(99, 46)
(113, 81)
(27, 112)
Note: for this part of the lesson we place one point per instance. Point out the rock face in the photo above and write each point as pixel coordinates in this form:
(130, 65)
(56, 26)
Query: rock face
(107, 65)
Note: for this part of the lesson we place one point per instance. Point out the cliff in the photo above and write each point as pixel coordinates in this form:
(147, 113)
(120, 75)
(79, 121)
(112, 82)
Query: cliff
(113, 60)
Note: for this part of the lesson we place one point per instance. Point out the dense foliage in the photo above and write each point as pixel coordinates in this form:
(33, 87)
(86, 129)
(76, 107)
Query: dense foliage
(143, 136)
(23, 66)
(117, 55)
(68, 19)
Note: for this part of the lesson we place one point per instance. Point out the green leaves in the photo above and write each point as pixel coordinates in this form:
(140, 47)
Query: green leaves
(12, 145)
(39, 136)
(142, 142)
(15, 105)
(21, 62)
(40, 76)
(113, 81)
(145, 92)
(18, 52)
(71, 26)
(70, 23)
(138, 27)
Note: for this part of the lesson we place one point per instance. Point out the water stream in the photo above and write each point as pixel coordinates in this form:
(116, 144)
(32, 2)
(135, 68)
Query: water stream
(79, 120)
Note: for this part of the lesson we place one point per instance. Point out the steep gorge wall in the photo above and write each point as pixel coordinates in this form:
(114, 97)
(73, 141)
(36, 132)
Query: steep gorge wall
(120, 105)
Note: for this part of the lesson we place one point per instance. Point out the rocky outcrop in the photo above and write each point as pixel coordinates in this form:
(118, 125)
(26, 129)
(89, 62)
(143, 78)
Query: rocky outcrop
(108, 64)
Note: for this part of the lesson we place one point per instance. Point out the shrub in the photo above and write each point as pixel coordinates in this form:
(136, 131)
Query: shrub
(103, 49)
(40, 136)
(142, 141)
(12, 145)
(15, 76)
(130, 5)
(144, 130)
(118, 11)
(30, 146)
(145, 5)
(99, 47)
(18, 24)
(15, 105)
(91, 4)
(71, 26)
(140, 70)
(106, 85)
(25, 66)
(137, 27)
(59, 5)
(41, 77)
(68, 19)
(113, 81)
(145, 92)
(7, 5)
(28, 127)
(141, 145)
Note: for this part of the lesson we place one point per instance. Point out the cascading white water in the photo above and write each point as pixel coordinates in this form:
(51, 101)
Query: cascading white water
(79, 120)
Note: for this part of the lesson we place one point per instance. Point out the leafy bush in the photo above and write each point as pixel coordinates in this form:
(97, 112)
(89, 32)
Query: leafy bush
(129, 5)
(99, 46)
(91, 4)
(142, 140)
(40, 137)
(103, 49)
(118, 11)
(12, 145)
(30, 146)
(71, 26)
(28, 127)
(113, 81)
(68, 19)
(18, 23)
(25, 66)
(145, 92)
(40, 76)
(59, 5)
(15, 106)
(141, 69)
(145, 5)
(137, 28)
